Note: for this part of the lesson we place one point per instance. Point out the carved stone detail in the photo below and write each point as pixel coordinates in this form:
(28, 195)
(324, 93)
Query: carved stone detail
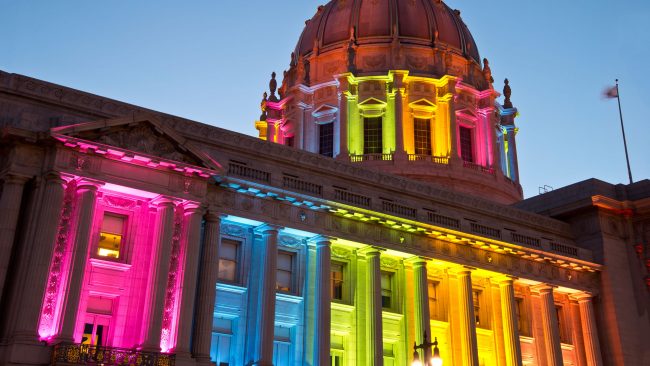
(233, 230)
(289, 241)
(119, 202)
(173, 280)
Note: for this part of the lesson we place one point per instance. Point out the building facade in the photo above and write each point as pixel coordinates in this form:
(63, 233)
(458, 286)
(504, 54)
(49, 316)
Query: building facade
(394, 214)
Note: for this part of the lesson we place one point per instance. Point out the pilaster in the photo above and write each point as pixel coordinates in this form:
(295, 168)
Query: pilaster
(322, 306)
(589, 330)
(550, 326)
(509, 322)
(421, 299)
(266, 308)
(467, 319)
(374, 333)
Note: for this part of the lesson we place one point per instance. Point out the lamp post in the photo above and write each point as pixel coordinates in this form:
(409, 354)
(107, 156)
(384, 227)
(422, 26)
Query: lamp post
(429, 360)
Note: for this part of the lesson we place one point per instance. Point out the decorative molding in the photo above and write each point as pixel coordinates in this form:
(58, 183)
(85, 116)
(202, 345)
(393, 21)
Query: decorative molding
(289, 241)
(233, 230)
(170, 312)
(340, 252)
(119, 202)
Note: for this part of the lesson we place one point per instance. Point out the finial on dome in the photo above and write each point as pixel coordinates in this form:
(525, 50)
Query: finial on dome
(506, 93)
(273, 86)
(263, 107)
(487, 72)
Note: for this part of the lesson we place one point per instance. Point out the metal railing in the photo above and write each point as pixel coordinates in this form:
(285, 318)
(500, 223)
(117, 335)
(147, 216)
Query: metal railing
(83, 354)
(477, 167)
(434, 159)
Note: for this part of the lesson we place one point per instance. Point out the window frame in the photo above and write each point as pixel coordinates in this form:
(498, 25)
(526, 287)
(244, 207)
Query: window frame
(392, 278)
(293, 289)
(345, 285)
(439, 313)
(128, 236)
(238, 263)
(562, 323)
(380, 135)
(472, 142)
(428, 150)
(322, 143)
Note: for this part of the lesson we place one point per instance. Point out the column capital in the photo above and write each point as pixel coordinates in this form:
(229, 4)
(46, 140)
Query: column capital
(542, 288)
(417, 261)
(370, 251)
(267, 229)
(212, 216)
(193, 207)
(581, 297)
(504, 279)
(464, 270)
(89, 184)
(322, 240)
(163, 201)
(15, 178)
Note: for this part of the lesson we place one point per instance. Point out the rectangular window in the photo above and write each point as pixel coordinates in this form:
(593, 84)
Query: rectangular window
(336, 359)
(111, 236)
(372, 136)
(229, 260)
(561, 324)
(476, 300)
(435, 311)
(284, 280)
(466, 149)
(289, 141)
(387, 290)
(336, 286)
(326, 139)
(422, 136)
(522, 320)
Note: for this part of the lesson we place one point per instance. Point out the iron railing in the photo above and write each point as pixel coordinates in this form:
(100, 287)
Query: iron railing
(83, 354)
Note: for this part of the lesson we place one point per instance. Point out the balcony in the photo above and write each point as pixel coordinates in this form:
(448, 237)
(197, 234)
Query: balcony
(83, 354)
(434, 159)
(371, 157)
(477, 167)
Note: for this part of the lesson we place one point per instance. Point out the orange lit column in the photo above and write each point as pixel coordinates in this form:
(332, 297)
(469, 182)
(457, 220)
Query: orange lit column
(374, 309)
(192, 222)
(421, 300)
(267, 296)
(446, 123)
(322, 306)
(589, 331)
(467, 319)
(509, 321)
(86, 198)
(26, 314)
(207, 290)
(159, 273)
(550, 325)
(271, 133)
(12, 193)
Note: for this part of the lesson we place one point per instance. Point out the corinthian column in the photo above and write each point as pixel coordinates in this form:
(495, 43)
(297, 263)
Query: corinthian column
(39, 256)
(589, 331)
(550, 325)
(207, 290)
(12, 194)
(86, 198)
(193, 216)
(421, 301)
(322, 311)
(374, 309)
(159, 273)
(509, 319)
(467, 320)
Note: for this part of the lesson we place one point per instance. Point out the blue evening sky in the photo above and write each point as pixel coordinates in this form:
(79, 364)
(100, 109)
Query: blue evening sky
(211, 60)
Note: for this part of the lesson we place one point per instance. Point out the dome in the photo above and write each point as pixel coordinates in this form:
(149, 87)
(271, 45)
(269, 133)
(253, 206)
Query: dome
(416, 26)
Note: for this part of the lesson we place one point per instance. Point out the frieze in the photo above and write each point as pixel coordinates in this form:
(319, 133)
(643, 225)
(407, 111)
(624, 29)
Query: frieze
(233, 230)
(119, 202)
(289, 241)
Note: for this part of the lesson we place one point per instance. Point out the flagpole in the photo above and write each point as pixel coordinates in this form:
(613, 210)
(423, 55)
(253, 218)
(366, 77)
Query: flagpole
(620, 113)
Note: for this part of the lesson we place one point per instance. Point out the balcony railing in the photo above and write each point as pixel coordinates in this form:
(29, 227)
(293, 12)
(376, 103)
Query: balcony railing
(371, 157)
(83, 354)
(477, 167)
(434, 159)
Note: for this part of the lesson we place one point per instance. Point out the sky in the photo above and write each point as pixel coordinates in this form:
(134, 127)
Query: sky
(210, 61)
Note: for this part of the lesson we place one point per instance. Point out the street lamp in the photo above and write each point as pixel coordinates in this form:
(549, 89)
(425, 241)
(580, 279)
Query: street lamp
(434, 360)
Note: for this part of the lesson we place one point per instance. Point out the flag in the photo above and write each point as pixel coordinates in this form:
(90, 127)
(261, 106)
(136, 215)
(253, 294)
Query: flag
(611, 92)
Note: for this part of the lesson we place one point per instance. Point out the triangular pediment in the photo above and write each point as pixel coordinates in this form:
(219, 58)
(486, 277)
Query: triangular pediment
(372, 102)
(324, 109)
(144, 134)
(422, 103)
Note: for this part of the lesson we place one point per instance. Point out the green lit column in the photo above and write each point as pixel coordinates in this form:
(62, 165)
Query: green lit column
(373, 308)
(400, 154)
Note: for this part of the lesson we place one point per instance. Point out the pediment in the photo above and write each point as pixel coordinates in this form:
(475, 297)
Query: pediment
(372, 102)
(143, 134)
(324, 110)
(422, 103)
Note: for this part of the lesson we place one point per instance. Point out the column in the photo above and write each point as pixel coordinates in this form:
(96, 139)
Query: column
(509, 319)
(12, 194)
(270, 132)
(589, 330)
(267, 296)
(400, 154)
(323, 308)
(159, 273)
(467, 319)
(343, 152)
(550, 325)
(373, 310)
(207, 289)
(40, 254)
(86, 198)
(192, 222)
(421, 301)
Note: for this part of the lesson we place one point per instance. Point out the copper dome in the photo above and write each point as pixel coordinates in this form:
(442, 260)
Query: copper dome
(416, 22)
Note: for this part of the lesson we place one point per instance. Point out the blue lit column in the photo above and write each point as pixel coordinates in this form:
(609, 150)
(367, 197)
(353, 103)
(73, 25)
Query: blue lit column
(322, 306)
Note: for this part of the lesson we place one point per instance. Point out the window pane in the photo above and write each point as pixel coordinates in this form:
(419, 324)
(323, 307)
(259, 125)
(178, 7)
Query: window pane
(326, 139)
(229, 260)
(284, 271)
(422, 136)
(386, 290)
(110, 237)
(466, 144)
(228, 249)
(372, 135)
(476, 297)
(284, 261)
(227, 270)
(336, 288)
